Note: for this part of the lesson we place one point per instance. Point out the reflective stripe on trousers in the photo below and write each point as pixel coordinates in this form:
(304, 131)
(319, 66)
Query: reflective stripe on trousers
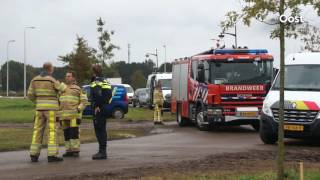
(71, 133)
(157, 113)
(43, 119)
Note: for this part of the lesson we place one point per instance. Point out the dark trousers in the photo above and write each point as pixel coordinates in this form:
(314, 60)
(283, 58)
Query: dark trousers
(100, 128)
(71, 134)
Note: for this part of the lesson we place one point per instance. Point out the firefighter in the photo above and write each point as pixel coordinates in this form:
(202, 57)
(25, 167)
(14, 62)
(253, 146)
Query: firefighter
(158, 103)
(72, 103)
(101, 94)
(43, 91)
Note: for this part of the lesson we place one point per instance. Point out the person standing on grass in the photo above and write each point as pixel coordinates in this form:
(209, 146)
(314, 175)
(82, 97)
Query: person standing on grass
(72, 103)
(158, 103)
(43, 91)
(100, 95)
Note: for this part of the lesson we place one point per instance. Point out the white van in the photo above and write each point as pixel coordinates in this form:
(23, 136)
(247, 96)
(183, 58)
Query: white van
(165, 79)
(302, 100)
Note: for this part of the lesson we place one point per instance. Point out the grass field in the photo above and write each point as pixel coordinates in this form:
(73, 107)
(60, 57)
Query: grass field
(20, 138)
(312, 174)
(16, 110)
(21, 111)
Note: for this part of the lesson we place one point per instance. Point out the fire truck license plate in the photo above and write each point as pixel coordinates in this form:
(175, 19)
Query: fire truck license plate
(293, 127)
(248, 114)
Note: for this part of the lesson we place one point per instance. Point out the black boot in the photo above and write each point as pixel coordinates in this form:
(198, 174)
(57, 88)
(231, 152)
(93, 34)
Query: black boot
(99, 156)
(54, 159)
(34, 158)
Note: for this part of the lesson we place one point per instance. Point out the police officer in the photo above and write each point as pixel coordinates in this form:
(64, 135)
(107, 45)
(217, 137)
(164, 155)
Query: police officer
(72, 103)
(158, 103)
(43, 91)
(100, 93)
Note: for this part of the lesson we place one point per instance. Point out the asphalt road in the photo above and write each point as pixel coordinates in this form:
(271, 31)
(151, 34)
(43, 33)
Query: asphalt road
(173, 145)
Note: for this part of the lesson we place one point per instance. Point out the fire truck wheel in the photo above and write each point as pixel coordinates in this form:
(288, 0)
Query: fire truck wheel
(182, 121)
(200, 119)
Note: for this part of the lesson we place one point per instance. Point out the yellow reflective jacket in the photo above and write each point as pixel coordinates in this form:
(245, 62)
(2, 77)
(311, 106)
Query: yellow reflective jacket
(43, 91)
(158, 97)
(72, 102)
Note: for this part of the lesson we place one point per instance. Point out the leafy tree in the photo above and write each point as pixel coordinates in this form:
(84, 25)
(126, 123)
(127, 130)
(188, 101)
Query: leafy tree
(268, 12)
(15, 75)
(310, 35)
(138, 80)
(168, 67)
(104, 42)
(80, 60)
(111, 71)
(60, 72)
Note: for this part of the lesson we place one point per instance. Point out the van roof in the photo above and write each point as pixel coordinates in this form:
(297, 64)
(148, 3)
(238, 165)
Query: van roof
(161, 76)
(303, 58)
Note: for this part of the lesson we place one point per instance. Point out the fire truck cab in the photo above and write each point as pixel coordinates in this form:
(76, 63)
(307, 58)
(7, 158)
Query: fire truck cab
(221, 87)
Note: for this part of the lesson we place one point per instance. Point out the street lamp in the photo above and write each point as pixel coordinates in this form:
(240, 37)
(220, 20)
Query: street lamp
(232, 34)
(10, 41)
(165, 58)
(156, 55)
(24, 61)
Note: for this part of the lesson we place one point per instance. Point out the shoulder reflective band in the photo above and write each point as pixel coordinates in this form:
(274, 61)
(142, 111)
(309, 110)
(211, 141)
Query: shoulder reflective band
(113, 93)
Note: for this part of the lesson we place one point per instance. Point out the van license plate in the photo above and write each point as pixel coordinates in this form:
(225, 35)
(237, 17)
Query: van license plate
(293, 127)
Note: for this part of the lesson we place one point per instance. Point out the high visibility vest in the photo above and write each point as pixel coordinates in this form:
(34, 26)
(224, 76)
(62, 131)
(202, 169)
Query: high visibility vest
(158, 97)
(72, 102)
(101, 85)
(43, 91)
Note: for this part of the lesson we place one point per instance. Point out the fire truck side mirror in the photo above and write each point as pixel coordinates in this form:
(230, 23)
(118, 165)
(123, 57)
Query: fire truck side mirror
(201, 71)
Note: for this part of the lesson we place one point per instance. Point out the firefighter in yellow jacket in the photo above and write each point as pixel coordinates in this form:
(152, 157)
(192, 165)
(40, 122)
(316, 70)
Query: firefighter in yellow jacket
(72, 103)
(43, 91)
(158, 103)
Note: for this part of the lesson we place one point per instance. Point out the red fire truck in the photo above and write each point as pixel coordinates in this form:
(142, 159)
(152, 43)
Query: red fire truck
(221, 87)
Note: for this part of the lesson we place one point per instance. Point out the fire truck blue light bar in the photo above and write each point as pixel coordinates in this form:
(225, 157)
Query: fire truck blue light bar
(240, 51)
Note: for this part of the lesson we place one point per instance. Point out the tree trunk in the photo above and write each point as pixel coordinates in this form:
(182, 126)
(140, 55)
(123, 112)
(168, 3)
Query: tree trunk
(281, 149)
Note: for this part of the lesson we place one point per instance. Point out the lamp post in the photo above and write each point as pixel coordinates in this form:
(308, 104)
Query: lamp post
(232, 34)
(8, 43)
(25, 61)
(156, 55)
(165, 58)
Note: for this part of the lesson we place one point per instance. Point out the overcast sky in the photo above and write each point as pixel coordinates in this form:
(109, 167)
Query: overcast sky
(184, 26)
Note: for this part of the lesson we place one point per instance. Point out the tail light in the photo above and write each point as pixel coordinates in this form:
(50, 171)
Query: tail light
(126, 99)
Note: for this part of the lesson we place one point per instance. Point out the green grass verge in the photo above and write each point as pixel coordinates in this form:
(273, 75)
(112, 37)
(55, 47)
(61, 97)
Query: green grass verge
(311, 174)
(22, 111)
(16, 110)
(20, 138)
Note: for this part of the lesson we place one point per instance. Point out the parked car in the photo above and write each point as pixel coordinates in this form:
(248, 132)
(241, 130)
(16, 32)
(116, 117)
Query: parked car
(118, 106)
(130, 92)
(140, 97)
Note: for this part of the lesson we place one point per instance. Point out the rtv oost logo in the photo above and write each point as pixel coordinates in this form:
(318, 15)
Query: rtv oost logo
(290, 19)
